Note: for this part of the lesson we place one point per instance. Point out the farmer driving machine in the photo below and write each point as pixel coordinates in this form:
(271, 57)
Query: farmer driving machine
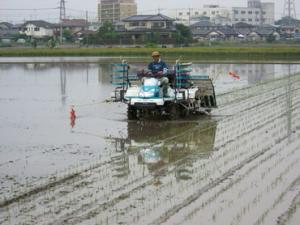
(186, 93)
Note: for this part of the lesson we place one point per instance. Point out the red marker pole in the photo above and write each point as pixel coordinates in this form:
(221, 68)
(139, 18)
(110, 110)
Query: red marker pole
(72, 116)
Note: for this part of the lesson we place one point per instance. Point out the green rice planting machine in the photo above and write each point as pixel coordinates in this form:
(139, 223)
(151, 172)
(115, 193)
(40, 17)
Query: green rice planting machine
(186, 94)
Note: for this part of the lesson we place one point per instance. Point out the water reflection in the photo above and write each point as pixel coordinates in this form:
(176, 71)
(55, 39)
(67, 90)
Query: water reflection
(156, 146)
(63, 84)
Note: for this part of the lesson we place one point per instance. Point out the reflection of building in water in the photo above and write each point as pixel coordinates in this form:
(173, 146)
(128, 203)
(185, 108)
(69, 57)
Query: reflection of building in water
(63, 84)
(104, 73)
(251, 73)
(255, 72)
(158, 145)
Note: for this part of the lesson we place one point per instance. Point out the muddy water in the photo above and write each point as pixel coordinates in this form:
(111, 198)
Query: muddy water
(239, 166)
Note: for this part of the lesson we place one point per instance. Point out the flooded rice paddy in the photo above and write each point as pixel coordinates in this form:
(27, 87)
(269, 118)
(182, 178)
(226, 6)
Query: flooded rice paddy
(238, 166)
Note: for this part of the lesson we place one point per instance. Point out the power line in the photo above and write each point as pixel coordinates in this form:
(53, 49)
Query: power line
(33, 9)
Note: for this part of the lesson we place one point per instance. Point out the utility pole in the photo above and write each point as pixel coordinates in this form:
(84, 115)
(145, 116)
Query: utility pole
(62, 10)
(62, 16)
(289, 8)
(87, 27)
(189, 16)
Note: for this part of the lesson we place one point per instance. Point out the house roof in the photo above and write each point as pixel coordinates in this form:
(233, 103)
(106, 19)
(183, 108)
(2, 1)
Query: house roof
(203, 23)
(6, 24)
(39, 23)
(145, 30)
(243, 25)
(74, 23)
(227, 31)
(243, 31)
(264, 32)
(158, 17)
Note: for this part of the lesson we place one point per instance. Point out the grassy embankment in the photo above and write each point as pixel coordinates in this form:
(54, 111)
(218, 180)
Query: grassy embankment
(205, 53)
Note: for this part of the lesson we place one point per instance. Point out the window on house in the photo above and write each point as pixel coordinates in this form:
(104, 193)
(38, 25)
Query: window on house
(256, 12)
(243, 12)
(264, 13)
(158, 24)
(257, 20)
(236, 19)
(204, 13)
(250, 12)
(133, 24)
(180, 14)
(250, 20)
(188, 13)
(196, 13)
(236, 12)
(243, 20)
(143, 24)
(36, 29)
(213, 12)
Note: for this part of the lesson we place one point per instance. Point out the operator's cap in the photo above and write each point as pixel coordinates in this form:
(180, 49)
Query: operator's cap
(156, 53)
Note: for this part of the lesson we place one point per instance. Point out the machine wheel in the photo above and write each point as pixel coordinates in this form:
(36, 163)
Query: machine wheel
(131, 113)
(208, 110)
(184, 113)
(174, 112)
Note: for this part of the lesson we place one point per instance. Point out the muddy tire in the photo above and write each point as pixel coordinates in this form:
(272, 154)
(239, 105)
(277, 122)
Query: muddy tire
(173, 111)
(184, 113)
(131, 113)
(208, 111)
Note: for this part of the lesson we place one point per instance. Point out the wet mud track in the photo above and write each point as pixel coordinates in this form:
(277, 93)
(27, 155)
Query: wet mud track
(241, 166)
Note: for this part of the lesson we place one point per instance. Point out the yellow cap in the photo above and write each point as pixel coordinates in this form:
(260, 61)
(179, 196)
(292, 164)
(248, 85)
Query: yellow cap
(155, 53)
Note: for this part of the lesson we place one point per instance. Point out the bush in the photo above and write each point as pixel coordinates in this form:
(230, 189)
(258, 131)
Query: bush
(150, 45)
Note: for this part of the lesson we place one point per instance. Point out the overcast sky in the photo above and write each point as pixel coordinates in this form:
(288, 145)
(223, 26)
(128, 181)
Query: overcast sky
(144, 6)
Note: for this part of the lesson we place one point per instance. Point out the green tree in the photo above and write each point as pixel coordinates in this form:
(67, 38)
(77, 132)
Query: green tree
(33, 43)
(107, 33)
(51, 43)
(67, 35)
(183, 34)
(153, 38)
(271, 38)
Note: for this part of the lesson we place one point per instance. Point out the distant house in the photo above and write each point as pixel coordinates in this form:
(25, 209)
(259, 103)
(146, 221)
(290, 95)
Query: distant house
(265, 31)
(139, 26)
(206, 30)
(38, 29)
(243, 29)
(80, 35)
(204, 24)
(8, 31)
(94, 26)
(75, 25)
(288, 27)
(6, 26)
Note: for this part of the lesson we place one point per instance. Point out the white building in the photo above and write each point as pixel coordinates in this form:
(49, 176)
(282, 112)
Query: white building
(116, 10)
(268, 11)
(190, 16)
(256, 13)
(38, 29)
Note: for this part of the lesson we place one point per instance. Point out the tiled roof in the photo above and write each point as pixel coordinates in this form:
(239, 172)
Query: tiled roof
(242, 25)
(204, 23)
(8, 25)
(158, 17)
(74, 23)
(39, 23)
